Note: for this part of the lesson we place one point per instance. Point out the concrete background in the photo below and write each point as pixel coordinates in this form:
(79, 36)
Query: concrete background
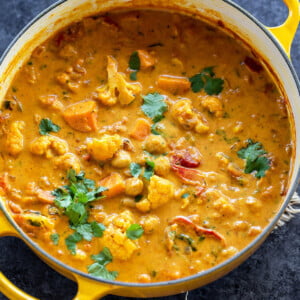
(273, 272)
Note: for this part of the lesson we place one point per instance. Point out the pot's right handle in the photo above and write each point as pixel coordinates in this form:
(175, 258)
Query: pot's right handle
(285, 33)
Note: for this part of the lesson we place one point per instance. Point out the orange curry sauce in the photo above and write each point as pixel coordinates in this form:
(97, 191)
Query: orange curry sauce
(184, 135)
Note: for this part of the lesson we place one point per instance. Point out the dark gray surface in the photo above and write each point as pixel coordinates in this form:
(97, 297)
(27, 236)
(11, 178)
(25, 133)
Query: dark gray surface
(273, 272)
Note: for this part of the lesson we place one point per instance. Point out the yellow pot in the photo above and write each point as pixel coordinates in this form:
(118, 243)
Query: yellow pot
(273, 47)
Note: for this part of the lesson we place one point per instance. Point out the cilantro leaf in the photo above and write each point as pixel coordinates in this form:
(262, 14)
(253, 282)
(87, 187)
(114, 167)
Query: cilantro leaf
(135, 169)
(149, 170)
(206, 80)
(46, 126)
(71, 241)
(55, 238)
(97, 229)
(85, 230)
(213, 86)
(104, 257)
(154, 129)
(133, 76)
(134, 231)
(154, 106)
(74, 198)
(255, 159)
(134, 61)
(98, 270)
(197, 83)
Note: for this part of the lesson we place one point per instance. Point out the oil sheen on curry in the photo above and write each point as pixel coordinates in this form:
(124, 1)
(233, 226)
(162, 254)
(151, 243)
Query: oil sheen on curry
(143, 151)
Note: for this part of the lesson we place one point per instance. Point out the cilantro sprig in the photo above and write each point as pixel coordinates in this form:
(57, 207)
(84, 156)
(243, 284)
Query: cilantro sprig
(134, 64)
(134, 232)
(136, 169)
(98, 269)
(74, 200)
(206, 80)
(154, 106)
(256, 161)
(46, 126)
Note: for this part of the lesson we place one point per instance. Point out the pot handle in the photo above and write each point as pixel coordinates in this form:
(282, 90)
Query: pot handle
(7, 287)
(91, 290)
(285, 32)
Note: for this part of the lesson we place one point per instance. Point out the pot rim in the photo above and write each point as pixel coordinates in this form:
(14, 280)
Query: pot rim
(266, 231)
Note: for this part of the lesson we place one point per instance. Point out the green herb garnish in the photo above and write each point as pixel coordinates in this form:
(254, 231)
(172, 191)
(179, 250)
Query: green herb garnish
(186, 238)
(133, 76)
(154, 106)
(98, 269)
(46, 126)
(254, 154)
(134, 231)
(71, 241)
(134, 61)
(206, 80)
(55, 238)
(135, 169)
(149, 169)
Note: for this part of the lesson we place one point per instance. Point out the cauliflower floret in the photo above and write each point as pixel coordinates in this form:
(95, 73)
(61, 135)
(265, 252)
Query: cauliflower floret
(15, 139)
(115, 238)
(224, 206)
(183, 112)
(105, 147)
(160, 191)
(213, 104)
(117, 88)
(67, 161)
(150, 223)
(49, 146)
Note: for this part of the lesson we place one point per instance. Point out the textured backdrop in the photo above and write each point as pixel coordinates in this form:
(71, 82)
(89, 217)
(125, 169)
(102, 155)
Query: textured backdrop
(273, 272)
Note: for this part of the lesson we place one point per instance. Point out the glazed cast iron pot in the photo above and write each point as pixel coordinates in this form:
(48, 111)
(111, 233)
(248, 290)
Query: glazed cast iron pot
(271, 45)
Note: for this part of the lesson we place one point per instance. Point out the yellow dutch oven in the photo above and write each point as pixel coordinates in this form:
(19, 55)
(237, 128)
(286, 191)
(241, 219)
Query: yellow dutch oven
(273, 47)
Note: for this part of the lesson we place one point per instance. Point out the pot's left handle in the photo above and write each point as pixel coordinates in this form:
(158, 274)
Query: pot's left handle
(7, 287)
(285, 33)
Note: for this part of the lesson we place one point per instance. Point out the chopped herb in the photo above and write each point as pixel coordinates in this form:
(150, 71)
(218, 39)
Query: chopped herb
(134, 231)
(55, 238)
(133, 76)
(154, 106)
(154, 129)
(97, 229)
(135, 169)
(134, 61)
(85, 230)
(226, 139)
(153, 273)
(98, 269)
(34, 223)
(186, 238)
(7, 105)
(71, 241)
(149, 170)
(201, 238)
(30, 63)
(138, 198)
(74, 198)
(206, 80)
(14, 89)
(254, 154)
(156, 45)
(185, 195)
(46, 126)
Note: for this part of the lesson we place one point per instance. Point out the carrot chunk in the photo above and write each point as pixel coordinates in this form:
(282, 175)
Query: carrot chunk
(146, 59)
(141, 129)
(115, 184)
(173, 84)
(82, 116)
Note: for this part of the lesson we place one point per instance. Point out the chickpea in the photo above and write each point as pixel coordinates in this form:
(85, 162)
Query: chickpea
(133, 186)
(162, 166)
(121, 160)
(156, 144)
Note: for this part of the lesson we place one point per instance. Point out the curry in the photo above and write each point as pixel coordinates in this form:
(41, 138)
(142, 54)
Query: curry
(143, 151)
